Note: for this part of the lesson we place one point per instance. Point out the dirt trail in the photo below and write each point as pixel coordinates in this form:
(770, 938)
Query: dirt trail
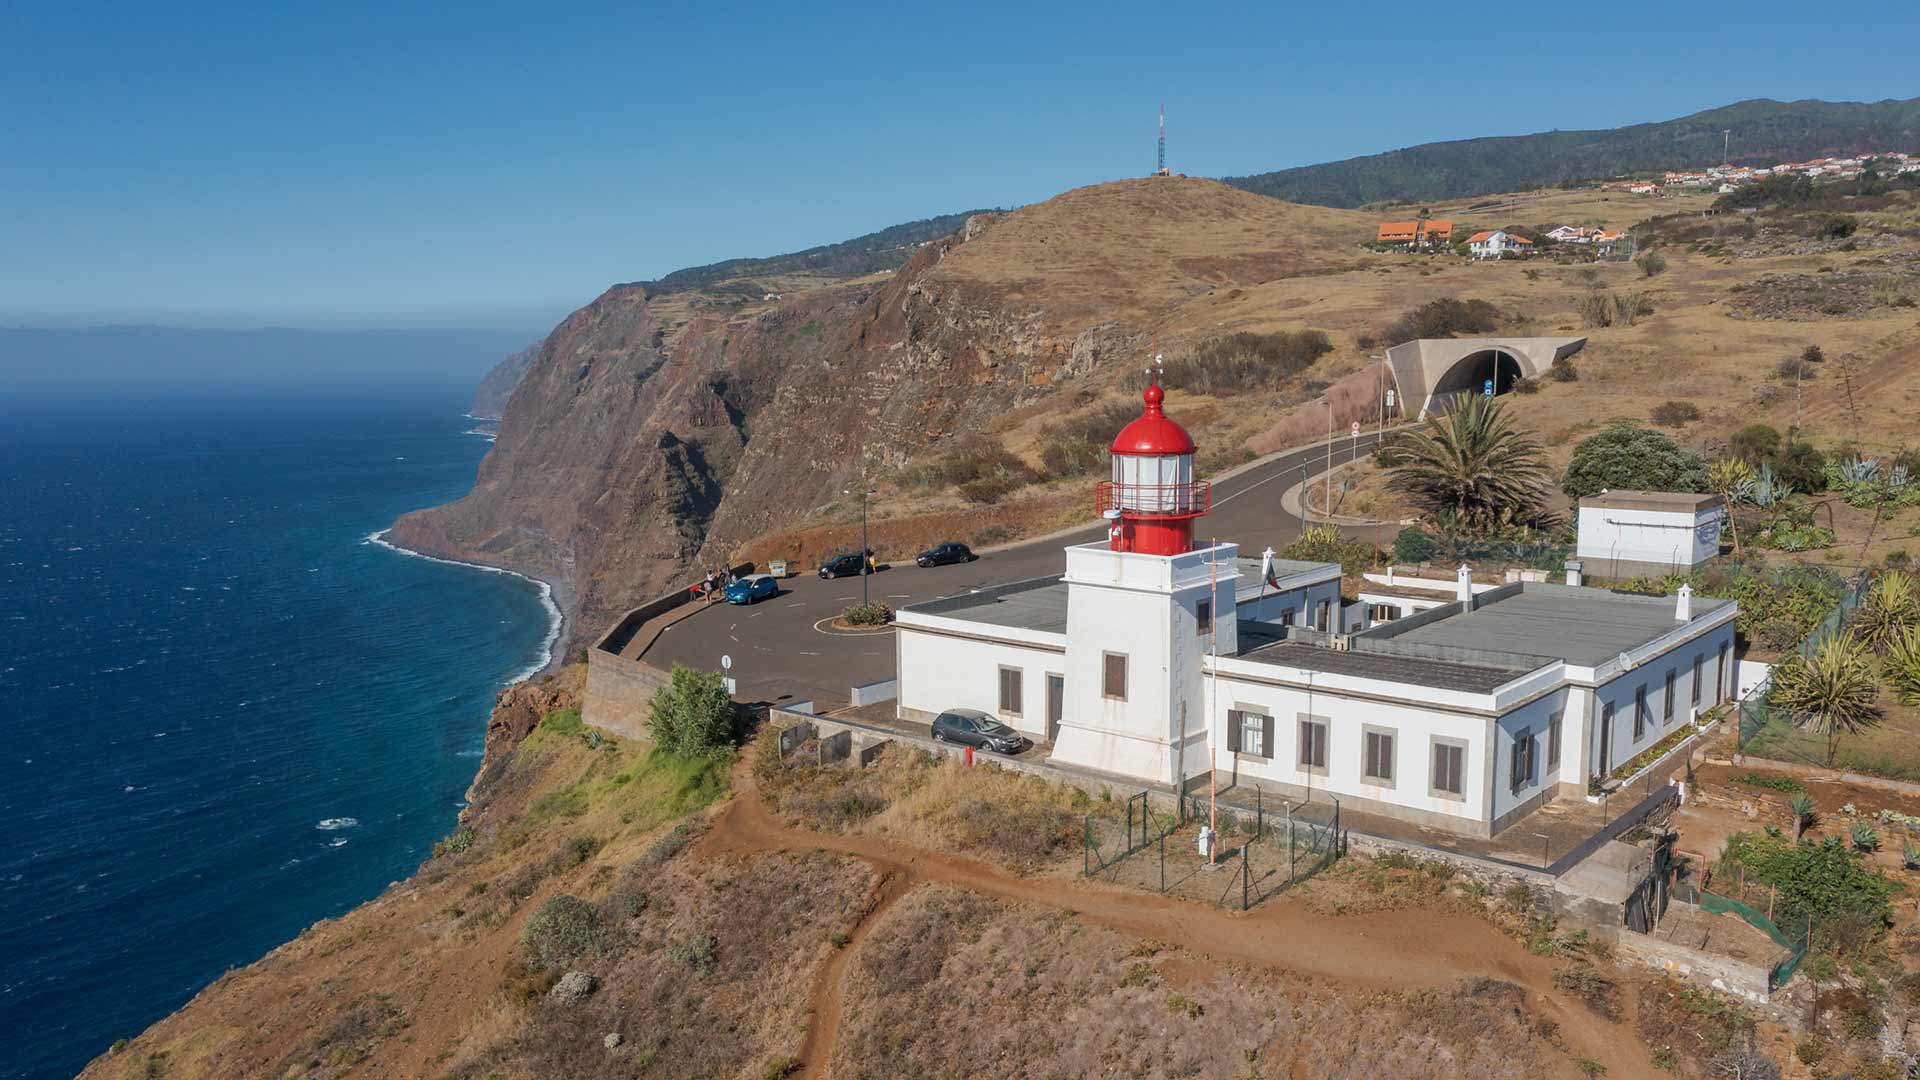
(1385, 950)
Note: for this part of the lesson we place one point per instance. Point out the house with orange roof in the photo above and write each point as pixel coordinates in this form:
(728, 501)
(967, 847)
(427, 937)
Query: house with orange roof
(1414, 235)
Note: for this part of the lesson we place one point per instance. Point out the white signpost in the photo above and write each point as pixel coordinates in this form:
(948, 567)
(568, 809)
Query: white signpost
(726, 664)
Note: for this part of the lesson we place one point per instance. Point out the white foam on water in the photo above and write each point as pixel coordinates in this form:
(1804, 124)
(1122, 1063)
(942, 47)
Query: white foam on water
(546, 600)
(332, 823)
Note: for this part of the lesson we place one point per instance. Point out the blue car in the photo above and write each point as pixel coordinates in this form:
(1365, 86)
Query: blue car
(753, 587)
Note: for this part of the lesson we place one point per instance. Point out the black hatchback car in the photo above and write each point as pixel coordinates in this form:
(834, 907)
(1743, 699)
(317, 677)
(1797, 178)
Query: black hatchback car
(848, 565)
(942, 554)
(971, 727)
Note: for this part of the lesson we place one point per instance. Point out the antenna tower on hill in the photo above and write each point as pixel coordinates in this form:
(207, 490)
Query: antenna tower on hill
(1160, 162)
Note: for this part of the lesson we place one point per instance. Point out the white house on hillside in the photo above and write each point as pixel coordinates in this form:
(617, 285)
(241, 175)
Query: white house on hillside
(1489, 245)
(1625, 534)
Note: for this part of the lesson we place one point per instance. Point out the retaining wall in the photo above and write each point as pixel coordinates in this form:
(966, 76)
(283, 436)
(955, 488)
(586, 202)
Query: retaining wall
(1743, 980)
(620, 688)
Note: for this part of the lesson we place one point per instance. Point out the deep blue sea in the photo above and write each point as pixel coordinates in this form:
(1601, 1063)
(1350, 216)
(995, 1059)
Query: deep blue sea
(223, 713)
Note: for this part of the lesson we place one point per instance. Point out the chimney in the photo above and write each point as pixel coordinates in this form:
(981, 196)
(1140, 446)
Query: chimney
(1573, 571)
(1389, 574)
(1266, 565)
(1464, 577)
(1683, 608)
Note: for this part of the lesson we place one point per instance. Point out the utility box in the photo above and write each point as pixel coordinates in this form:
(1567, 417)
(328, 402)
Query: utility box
(1627, 534)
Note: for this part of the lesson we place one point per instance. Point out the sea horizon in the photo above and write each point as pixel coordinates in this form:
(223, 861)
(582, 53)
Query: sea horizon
(240, 707)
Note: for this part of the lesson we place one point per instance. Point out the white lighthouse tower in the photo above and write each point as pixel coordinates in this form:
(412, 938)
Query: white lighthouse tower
(1143, 608)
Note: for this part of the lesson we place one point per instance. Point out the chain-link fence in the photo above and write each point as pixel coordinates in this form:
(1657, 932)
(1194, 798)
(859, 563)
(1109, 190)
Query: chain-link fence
(1767, 732)
(1258, 846)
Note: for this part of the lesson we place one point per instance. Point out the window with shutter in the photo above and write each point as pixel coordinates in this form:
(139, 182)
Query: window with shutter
(1553, 742)
(1253, 734)
(1667, 716)
(1720, 679)
(1449, 768)
(1203, 615)
(1235, 724)
(1313, 744)
(1697, 661)
(1010, 680)
(1113, 681)
(1521, 769)
(1377, 760)
(1639, 713)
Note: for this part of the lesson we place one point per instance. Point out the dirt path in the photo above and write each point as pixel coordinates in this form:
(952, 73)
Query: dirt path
(1386, 950)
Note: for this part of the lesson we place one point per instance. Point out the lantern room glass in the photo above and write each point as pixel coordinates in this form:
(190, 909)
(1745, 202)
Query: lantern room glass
(1154, 484)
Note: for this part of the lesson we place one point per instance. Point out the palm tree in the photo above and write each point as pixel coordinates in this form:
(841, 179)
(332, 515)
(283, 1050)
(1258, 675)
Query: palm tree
(1831, 692)
(1472, 463)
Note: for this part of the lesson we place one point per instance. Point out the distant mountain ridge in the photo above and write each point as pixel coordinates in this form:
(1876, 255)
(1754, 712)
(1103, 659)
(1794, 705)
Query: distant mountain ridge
(1764, 132)
(490, 398)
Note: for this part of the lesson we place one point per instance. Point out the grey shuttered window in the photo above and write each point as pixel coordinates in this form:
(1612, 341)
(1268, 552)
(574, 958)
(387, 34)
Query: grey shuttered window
(1010, 685)
(1113, 676)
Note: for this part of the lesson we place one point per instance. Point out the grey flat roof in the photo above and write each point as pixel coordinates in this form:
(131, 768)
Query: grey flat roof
(1414, 671)
(1251, 584)
(1033, 604)
(1583, 626)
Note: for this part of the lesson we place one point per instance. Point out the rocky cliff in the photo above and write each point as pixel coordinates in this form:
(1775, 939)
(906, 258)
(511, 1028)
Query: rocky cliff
(490, 397)
(652, 433)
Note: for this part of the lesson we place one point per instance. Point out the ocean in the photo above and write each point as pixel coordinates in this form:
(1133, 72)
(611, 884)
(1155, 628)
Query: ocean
(225, 713)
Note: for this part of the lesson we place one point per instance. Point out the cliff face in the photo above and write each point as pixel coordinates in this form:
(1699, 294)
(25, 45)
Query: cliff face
(490, 397)
(650, 435)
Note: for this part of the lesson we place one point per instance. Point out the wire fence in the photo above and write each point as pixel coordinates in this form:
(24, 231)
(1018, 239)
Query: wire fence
(1796, 945)
(1768, 732)
(1256, 850)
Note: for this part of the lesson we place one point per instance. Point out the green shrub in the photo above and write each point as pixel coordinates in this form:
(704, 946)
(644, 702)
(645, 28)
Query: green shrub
(696, 952)
(867, 615)
(1562, 370)
(1323, 543)
(1443, 318)
(1823, 881)
(1237, 363)
(564, 930)
(1652, 263)
(460, 841)
(1628, 457)
(692, 716)
(1754, 444)
(673, 841)
(1675, 413)
(1413, 545)
(1769, 781)
(1865, 837)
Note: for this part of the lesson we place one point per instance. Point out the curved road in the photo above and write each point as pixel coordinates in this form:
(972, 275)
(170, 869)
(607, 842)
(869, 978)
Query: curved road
(784, 652)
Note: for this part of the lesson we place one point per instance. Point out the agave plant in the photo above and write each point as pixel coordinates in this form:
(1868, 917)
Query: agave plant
(1859, 471)
(1766, 490)
(1901, 665)
(1802, 807)
(1909, 855)
(1891, 608)
(1831, 693)
(1865, 837)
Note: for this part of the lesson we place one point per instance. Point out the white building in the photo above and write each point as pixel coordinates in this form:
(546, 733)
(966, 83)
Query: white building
(1625, 534)
(1497, 242)
(1155, 661)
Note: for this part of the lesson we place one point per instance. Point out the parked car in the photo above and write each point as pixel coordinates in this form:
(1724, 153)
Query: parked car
(971, 727)
(753, 587)
(942, 554)
(848, 565)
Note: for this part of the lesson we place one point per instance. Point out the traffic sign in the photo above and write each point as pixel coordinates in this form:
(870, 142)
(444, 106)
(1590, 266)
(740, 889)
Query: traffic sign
(1356, 429)
(1486, 388)
(726, 663)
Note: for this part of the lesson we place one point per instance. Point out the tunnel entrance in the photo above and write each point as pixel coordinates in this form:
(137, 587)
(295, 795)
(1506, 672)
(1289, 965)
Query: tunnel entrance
(1473, 373)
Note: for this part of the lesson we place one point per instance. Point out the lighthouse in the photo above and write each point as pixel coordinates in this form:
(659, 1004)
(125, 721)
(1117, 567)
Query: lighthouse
(1153, 498)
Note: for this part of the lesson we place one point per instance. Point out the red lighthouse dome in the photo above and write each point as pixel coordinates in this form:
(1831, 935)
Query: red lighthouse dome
(1153, 498)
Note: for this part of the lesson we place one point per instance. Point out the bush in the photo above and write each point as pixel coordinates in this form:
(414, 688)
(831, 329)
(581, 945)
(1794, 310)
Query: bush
(988, 489)
(1562, 370)
(696, 952)
(1754, 444)
(1652, 263)
(975, 458)
(1526, 386)
(1079, 445)
(460, 841)
(1824, 881)
(1323, 543)
(1835, 226)
(867, 615)
(1675, 413)
(1794, 368)
(1236, 363)
(1442, 318)
(692, 716)
(565, 929)
(1413, 545)
(1633, 458)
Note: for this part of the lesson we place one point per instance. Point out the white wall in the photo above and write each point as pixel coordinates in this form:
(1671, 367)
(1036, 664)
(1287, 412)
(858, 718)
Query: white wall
(940, 672)
(1412, 725)
(1301, 600)
(1675, 538)
(1651, 673)
(1535, 718)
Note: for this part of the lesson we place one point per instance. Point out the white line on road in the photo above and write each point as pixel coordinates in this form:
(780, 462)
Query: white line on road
(899, 595)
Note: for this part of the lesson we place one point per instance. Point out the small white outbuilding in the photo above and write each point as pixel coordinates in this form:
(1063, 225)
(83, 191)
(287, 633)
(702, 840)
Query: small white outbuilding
(1624, 534)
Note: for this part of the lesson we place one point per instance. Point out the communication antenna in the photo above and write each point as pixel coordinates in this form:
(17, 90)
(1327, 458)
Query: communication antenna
(1160, 162)
(1726, 145)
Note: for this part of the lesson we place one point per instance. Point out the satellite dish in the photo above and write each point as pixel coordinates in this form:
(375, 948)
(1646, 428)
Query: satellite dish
(726, 662)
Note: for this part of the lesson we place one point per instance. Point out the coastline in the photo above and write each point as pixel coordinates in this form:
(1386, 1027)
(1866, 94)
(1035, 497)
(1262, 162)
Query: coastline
(556, 620)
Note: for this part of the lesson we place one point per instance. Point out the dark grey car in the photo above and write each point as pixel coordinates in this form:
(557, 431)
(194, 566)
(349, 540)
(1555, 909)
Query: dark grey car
(971, 727)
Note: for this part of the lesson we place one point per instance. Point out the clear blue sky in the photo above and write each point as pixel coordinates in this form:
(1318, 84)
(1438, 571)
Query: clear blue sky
(491, 166)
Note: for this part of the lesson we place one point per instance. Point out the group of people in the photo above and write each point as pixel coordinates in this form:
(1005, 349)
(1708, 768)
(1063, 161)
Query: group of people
(714, 583)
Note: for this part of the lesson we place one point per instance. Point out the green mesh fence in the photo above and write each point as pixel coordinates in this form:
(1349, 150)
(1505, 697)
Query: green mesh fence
(1797, 950)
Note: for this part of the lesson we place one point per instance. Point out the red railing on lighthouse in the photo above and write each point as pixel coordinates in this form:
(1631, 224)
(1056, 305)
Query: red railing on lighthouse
(1154, 500)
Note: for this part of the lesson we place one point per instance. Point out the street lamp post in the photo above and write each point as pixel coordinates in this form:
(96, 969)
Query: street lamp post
(866, 550)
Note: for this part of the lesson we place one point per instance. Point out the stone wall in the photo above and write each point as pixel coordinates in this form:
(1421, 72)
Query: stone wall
(1743, 980)
(619, 691)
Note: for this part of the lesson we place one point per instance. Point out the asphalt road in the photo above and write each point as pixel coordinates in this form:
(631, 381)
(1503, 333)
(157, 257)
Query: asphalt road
(784, 649)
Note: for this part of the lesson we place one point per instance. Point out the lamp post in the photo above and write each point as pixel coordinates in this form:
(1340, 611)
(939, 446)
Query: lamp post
(866, 551)
(1328, 402)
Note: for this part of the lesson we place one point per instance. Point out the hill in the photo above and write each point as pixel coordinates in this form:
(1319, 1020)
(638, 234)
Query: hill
(490, 397)
(1765, 132)
(876, 251)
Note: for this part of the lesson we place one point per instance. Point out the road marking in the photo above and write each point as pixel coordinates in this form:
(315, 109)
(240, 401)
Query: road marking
(733, 639)
(847, 633)
(809, 654)
(899, 595)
